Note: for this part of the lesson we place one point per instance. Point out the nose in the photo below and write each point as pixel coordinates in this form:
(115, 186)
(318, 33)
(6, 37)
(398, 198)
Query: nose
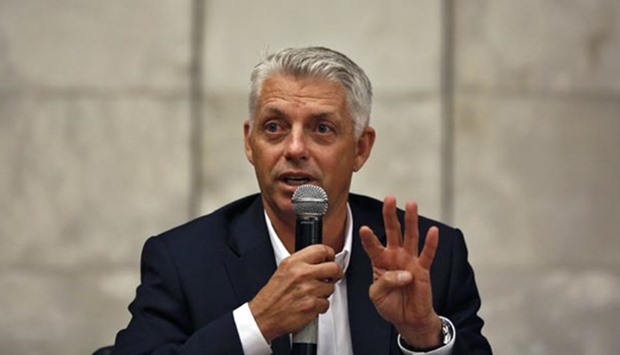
(296, 145)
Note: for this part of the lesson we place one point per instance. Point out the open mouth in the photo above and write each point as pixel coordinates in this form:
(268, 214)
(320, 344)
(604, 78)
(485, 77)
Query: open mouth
(296, 180)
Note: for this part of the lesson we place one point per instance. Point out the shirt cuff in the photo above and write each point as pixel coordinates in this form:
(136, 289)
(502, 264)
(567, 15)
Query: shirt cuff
(444, 350)
(252, 339)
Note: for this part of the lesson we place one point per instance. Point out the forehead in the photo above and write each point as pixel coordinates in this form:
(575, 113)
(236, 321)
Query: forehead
(280, 90)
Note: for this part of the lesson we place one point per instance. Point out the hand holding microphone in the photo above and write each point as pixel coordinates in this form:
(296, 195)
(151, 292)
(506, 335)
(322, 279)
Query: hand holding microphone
(297, 292)
(310, 205)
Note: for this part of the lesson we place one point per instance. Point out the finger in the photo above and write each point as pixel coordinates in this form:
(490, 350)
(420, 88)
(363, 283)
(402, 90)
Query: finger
(377, 273)
(411, 228)
(322, 289)
(388, 282)
(370, 243)
(430, 247)
(322, 305)
(328, 271)
(315, 254)
(392, 226)
(310, 307)
(315, 301)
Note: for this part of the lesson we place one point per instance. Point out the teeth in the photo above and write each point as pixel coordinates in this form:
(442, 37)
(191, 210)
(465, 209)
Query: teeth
(296, 181)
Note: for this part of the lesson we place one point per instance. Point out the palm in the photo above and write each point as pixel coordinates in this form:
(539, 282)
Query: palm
(399, 305)
(408, 301)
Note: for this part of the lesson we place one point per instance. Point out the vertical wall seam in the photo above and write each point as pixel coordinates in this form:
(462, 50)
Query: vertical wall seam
(447, 73)
(196, 97)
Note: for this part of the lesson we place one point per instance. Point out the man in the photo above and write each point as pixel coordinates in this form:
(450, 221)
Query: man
(231, 283)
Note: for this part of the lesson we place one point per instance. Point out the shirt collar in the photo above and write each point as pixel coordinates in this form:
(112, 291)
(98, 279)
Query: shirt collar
(342, 258)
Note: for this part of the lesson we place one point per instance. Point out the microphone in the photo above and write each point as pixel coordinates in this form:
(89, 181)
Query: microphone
(310, 205)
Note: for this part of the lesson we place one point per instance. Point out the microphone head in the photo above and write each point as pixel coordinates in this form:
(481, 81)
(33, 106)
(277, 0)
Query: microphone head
(310, 200)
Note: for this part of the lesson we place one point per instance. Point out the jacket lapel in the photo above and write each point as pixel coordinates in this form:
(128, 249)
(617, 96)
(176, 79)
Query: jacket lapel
(370, 333)
(252, 262)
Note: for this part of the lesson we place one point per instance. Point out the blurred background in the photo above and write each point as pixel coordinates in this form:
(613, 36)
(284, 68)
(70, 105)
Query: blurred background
(121, 119)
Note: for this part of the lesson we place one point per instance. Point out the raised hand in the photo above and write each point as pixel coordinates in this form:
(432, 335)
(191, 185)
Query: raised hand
(401, 289)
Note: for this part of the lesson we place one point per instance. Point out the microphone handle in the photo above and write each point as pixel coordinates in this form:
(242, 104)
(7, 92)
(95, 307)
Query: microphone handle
(308, 231)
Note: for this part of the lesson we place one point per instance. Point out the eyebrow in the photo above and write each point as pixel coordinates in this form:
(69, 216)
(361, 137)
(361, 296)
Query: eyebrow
(274, 111)
(316, 116)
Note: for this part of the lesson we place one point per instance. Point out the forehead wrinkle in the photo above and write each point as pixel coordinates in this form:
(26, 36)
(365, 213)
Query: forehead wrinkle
(270, 109)
(274, 111)
(298, 100)
(285, 97)
(302, 90)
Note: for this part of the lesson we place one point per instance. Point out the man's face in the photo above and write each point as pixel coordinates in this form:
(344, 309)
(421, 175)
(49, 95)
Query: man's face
(303, 134)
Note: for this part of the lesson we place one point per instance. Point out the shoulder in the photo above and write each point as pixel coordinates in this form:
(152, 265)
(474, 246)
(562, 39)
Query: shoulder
(213, 229)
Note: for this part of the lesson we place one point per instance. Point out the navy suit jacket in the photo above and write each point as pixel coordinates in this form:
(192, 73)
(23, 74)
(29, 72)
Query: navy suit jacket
(194, 276)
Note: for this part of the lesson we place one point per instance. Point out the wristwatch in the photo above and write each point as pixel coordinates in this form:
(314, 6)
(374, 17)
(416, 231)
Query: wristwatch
(446, 337)
(446, 331)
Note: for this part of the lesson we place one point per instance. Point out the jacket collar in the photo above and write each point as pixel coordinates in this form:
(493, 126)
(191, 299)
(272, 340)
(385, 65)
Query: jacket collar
(252, 261)
(370, 333)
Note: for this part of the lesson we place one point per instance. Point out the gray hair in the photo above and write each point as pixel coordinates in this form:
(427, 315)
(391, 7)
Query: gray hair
(318, 62)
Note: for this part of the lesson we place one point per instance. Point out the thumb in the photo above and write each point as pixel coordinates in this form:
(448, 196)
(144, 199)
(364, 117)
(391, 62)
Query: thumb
(389, 281)
(397, 278)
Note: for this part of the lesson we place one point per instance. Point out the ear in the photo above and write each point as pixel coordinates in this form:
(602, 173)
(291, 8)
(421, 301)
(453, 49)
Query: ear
(364, 147)
(247, 132)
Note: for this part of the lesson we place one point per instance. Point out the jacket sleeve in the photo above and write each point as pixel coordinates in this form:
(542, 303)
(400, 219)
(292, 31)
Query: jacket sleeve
(463, 303)
(161, 322)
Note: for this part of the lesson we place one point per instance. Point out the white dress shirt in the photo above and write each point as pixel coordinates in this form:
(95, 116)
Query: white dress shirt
(334, 336)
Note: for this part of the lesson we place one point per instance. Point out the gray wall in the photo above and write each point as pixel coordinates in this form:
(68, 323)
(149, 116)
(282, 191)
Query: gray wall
(120, 119)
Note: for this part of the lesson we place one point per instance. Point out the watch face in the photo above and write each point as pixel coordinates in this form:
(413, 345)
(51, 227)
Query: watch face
(446, 331)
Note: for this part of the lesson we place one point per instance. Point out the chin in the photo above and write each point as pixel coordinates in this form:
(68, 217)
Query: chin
(281, 204)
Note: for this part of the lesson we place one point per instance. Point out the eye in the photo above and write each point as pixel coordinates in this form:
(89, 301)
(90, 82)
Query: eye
(324, 128)
(272, 127)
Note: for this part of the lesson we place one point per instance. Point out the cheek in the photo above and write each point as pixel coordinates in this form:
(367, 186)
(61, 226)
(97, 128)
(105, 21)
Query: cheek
(340, 168)
(346, 159)
(264, 160)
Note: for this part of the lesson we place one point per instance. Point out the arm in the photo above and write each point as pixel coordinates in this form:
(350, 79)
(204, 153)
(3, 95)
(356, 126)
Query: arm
(401, 290)
(161, 322)
(463, 302)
